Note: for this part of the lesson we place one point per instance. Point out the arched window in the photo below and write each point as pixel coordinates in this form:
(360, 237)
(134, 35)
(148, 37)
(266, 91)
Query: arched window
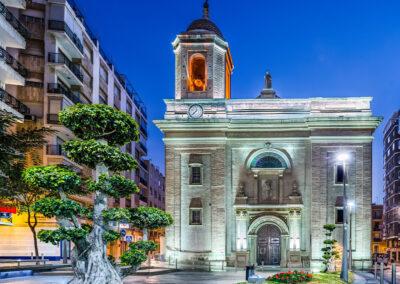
(269, 161)
(197, 80)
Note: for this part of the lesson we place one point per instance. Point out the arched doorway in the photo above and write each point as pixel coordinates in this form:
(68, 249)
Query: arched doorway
(268, 245)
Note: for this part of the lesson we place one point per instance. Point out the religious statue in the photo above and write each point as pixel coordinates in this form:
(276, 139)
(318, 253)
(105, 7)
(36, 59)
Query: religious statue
(268, 81)
(266, 187)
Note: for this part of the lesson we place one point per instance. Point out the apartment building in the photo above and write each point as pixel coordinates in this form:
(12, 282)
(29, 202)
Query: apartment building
(392, 185)
(378, 245)
(65, 64)
(156, 197)
(13, 37)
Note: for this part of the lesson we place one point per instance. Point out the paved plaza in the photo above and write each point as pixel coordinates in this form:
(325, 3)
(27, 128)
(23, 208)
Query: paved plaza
(182, 277)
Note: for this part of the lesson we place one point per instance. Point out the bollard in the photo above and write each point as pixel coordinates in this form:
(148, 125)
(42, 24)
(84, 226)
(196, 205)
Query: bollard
(222, 262)
(209, 266)
(31, 255)
(262, 265)
(176, 263)
(394, 273)
(381, 280)
(375, 270)
(169, 260)
(42, 256)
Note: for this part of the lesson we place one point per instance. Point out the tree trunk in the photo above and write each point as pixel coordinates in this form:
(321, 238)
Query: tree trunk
(32, 227)
(99, 270)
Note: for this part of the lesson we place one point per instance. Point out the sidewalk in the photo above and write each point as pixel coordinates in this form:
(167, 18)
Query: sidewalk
(362, 277)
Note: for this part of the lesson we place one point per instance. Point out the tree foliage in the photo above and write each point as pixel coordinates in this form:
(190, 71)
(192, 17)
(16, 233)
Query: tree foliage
(150, 218)
(62, 233)
(146, 246)
(329, 251)
(98, 122)
(54, 207)
(133, 257)
(115, 186)
(92, 153)
(54, 178)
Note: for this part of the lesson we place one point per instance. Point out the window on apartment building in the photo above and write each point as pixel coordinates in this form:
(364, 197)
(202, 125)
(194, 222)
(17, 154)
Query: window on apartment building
(87, 51)
(103, 73)
(196, 175)
(339, 216)
(339, 174)
(103, 98)
(87, 78)
(129, 107)
(55, 106)
(117, 93)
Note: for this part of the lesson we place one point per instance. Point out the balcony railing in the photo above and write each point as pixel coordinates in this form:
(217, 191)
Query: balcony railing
(13, 102)
(143, 181)
(143, 164)
(4, 55)
(14, 21)
(143, 130)
(55, 150)
(143, 198)
(55, 88)
(62, 26)
(62, 59)
(143, 147)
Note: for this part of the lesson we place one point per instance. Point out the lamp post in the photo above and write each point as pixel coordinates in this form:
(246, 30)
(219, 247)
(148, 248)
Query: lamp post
(351, 205)
(344, 274)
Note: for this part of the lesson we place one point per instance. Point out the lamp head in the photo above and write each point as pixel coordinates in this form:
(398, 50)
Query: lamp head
(343, 157)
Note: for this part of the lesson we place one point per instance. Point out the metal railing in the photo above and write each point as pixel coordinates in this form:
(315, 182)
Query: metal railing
(62, 59)
(143, 164)
(55, 88)
(14, 21)
(13, 102)
(62, 26)
(10, 60)
(143, 130)
(144, 148)
(143, 181)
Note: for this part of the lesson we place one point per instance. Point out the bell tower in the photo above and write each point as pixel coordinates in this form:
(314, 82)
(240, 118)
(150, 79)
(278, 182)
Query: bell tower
(203, 62)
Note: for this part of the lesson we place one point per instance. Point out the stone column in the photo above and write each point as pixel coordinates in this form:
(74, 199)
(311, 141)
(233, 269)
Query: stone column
(284, 249)
(241, 230)
(294, 221)
(252, 245)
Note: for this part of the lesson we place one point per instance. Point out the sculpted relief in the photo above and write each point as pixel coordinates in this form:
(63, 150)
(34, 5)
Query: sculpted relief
(267, 190)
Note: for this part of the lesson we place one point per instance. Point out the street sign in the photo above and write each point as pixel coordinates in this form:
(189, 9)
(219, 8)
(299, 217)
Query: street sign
(129, 239)
(122, 232)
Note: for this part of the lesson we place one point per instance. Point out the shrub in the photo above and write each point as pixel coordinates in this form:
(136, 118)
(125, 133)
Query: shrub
(291, 277)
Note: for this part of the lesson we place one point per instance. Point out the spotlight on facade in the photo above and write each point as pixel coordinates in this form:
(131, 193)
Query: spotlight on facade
(343, 157)
(351, 204)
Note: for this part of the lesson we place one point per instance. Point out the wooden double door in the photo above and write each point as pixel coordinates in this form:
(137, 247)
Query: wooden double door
(268, 245)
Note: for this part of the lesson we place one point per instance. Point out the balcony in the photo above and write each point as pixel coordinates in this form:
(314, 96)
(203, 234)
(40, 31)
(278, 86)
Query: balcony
(143, 181)
(143, 198)
(143, 130)
(66, 37)
(11, 71)
(19, 4)
(143, 148)
(69, 71)
(56, 156)
(13, 103)
(143, 165)
(12, 32)
(55, 88)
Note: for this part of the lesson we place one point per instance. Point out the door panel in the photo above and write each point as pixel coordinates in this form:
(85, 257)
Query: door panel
(268, 245)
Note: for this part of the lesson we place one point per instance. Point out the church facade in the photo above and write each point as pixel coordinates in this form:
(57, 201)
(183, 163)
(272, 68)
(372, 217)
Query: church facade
(253, 181)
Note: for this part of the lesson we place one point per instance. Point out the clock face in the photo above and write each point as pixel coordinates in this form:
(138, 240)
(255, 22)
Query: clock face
(195, 111)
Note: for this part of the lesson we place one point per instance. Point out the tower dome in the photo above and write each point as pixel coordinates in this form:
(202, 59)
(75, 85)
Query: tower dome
(204, 25)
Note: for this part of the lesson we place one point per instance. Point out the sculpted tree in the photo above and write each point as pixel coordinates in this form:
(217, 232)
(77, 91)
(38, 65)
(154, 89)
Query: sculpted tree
(100, 130)
(144, 218)
(329, 251)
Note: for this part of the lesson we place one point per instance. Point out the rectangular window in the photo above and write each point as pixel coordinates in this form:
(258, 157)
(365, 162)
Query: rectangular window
(195, 175)
(339, 215)
(339, 174)
(103, 74)
(195, 217)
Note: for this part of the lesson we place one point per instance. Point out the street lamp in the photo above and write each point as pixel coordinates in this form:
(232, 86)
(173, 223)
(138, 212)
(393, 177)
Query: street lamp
(350, 204)
(344, 274)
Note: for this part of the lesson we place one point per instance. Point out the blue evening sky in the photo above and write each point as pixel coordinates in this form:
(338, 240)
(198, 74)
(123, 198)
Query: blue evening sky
(312, 48)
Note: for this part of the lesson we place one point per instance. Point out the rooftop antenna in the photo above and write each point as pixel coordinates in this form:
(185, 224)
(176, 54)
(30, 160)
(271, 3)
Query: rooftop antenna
(205, 9)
